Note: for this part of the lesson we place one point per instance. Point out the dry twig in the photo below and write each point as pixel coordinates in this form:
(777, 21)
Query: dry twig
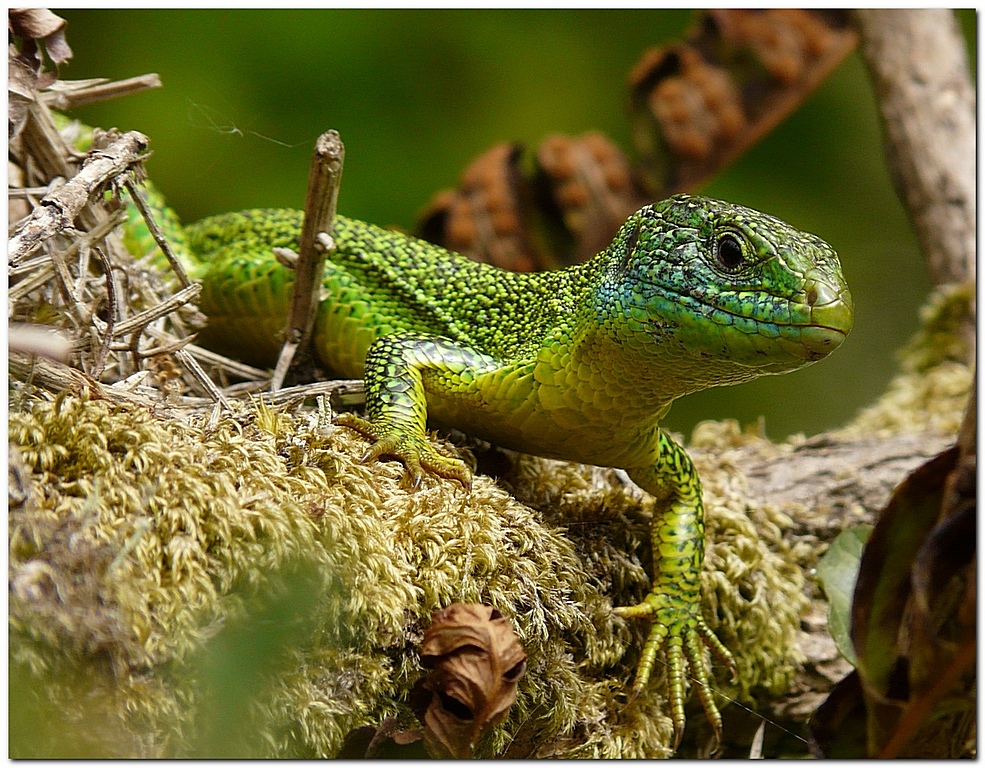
(68, 94)
(59, 209)
(319, 212)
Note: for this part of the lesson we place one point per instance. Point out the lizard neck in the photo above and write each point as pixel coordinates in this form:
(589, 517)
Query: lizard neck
(608, 352)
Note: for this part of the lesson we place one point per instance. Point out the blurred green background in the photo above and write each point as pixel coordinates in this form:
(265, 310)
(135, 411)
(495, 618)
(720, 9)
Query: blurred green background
(418, 94)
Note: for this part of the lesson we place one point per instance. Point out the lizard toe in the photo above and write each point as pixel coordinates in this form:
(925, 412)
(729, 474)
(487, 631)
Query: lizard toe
(680, 631)
(415, 452)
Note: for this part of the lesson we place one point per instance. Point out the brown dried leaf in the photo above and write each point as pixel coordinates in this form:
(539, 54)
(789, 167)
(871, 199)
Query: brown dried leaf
(884, 583)
(940, 620)
(591, 182)
(583, 189)
(486, 217)
(701, 103)
(33, 25)
(913, 625)
(476, 661)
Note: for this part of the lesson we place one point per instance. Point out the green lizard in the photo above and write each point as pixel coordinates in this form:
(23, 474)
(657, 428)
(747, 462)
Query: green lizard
(577, 364)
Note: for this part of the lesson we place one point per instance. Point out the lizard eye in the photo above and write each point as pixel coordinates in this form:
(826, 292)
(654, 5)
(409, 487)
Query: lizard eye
(728, 253)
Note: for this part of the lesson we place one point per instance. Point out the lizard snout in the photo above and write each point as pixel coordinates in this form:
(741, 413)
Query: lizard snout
(832, 314)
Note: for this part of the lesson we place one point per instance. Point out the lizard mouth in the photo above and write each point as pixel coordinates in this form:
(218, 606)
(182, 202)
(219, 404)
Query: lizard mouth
(827, 327)
(819, 341)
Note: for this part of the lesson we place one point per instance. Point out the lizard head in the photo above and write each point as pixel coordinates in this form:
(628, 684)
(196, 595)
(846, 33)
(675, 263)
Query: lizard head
(725, 292)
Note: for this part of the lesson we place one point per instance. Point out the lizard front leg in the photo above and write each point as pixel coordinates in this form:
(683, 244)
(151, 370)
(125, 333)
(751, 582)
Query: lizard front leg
(402, 369)
(674, 602)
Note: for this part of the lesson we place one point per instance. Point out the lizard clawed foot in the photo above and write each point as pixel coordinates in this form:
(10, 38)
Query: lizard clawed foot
(416, 453)
(680, 629)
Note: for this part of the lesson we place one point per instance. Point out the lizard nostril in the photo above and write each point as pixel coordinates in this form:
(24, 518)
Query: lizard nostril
(812, 295)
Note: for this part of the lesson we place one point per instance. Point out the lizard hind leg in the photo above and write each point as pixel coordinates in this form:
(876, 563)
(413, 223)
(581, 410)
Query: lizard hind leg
(674, 602)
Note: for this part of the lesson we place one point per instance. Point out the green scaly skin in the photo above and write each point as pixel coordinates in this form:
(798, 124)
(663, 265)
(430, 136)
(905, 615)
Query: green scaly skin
(578, 364)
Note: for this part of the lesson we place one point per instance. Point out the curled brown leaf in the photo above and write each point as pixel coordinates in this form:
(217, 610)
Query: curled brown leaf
(476, 662)
(591, 183)
(39, 25)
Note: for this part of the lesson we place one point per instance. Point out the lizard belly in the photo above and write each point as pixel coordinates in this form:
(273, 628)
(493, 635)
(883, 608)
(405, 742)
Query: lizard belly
(514, 410)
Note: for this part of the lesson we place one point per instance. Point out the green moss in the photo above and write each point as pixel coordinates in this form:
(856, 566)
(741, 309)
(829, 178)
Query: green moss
(930, 393)
(143, 549)
(135, 539)
(943, 317)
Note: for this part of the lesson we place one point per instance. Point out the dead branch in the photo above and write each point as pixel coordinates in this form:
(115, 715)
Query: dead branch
(919, 69)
